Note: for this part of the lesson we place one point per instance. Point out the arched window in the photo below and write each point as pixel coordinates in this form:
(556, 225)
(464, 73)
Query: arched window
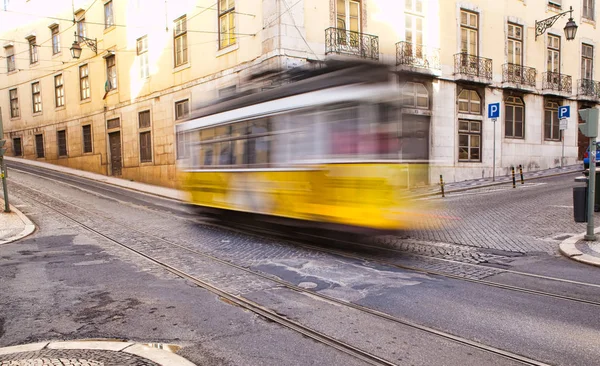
(514, 117)
(551, 123)
(415, 95)
(469, 102)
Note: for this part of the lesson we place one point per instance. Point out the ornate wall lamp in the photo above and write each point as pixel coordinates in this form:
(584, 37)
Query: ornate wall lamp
(76, 48)
(570, 28)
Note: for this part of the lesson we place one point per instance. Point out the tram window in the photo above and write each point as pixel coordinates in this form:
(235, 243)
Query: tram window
(239, 129)
(222, 132)
(206, 151)
(207, 134)
(302, 139)
(225, 153)
(344, 132)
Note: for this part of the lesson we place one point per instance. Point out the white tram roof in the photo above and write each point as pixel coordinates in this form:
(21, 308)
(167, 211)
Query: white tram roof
(353, 92)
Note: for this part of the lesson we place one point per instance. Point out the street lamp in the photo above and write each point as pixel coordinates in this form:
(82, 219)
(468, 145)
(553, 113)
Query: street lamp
(76, 48)
(570, 28)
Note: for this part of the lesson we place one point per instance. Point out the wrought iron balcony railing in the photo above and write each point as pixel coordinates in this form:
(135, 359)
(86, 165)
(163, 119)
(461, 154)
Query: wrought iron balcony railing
(417, 55)
(466, 64)
(588, 88)
(557, 82)
(345, 42)
(518, 74)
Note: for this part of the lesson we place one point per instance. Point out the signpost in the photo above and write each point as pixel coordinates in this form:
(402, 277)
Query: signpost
(494, 114)
(3, 166)
(564, 113)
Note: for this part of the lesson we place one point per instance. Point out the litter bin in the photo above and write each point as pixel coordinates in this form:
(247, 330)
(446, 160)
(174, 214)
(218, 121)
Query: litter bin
(580, 204)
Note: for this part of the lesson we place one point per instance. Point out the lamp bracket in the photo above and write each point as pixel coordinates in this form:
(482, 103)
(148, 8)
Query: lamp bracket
(542, 26)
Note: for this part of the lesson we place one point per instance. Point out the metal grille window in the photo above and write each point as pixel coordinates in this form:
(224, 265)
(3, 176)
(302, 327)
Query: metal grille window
(14, 103)
(81, 28)
(55, 40)
(588, 9)
(142, 53)
(514, 117)
(61, 137)
(59, 91)
(36, 97)
(33, 51)
(109, 19)
(469, 102)
(17, 146)
(226, 23)
(84, 82)
(515, 44)
(113, 123)
(551, 122)
(87, 138)
(10, 59)
(182, 109)
(145, 147)
(469, 32)
(553, 62)
(415, 95)
(469, 140)
(111, 72)
(39, 145)
(180, 41)
(587, 61)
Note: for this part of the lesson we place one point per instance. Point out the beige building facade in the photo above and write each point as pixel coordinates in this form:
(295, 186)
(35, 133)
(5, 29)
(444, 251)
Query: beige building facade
(147, 64)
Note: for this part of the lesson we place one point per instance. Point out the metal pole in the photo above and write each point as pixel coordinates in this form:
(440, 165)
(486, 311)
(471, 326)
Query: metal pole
(442, 185)
(589, 235)
(3, 169)
(512, 170)
(562, 157)
(494, 154)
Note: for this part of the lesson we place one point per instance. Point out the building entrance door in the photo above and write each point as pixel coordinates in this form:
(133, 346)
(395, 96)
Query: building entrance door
(114, 141)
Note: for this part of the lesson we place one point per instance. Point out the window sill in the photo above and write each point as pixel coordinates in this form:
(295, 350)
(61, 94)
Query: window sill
(106, 30)
(228, 49)
(58, 54)
(34, 64)
(182, 67)
(63, 157)
(147, 163)
(12, 72)
(477, 117)
(36, 114)
(15, 118)
(87, 153)
(61, 108)
(549, 140)
(470, 161)
(87, 100)
(591, 22)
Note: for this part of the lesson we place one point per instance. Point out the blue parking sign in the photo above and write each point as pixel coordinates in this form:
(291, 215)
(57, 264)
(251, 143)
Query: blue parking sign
(494, 110)
(564, 111)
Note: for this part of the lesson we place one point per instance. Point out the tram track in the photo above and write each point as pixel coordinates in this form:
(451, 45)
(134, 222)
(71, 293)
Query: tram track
(270, 314)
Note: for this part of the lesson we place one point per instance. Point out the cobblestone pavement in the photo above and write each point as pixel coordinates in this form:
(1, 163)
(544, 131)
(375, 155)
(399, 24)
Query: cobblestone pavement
(56, 357)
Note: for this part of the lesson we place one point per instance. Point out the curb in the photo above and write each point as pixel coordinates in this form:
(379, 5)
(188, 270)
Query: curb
(27, 230)
(156, 355)
(568, 249)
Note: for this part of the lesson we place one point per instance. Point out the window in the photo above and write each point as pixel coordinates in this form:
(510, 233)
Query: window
(87, 138)
(33, 51)
(39, 145)
(183, 142)
(14, 103)
(469, 140)
(551, 123)
(10, 59)
(414, 6)
(180, 41)
(55, 40)
(142, 52)
(113, 123)
(145, 137)
(36, 97)
(469, 102)
(514, 115)
(111, 72)
(226, 23)
(556, 3)
(469, 25)
(81, 27)
(61, 137)
(553, 64)
(17, 146)
(348, 15)
(415, 95)
(588, 9)
(182, 109)
(515, 44)
(413, 33)
(109, 19)
(587, 61)
(59, 91)
(84, 82)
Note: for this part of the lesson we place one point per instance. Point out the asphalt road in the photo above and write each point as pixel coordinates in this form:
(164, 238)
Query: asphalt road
(67, 283)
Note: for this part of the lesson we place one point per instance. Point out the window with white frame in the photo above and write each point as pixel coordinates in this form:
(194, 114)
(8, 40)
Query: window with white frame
(36, 97)
(142, 53)
(588, 9)
(469, 130)
(33, 51)
(587, 61)
(226, 23)
(514, 117)
(111, 72)
(109, 19)
(515, 44)
(182, 108)
(469, 102)
(413, 28)
(551, 122)
(59, 91)
(469, 32)
(81, 27)
(348, 15)
(14, 103)
(10, 59)
(55, 39)
(84, 82)
(415, 95)
(180, 41)
(553, 50)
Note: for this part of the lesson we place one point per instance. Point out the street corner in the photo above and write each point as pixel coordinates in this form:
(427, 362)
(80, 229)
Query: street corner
(92, 352)
(14, 225)
(578, 249)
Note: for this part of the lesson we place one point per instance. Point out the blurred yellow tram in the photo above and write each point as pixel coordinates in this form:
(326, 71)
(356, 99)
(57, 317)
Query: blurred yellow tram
(326, 150)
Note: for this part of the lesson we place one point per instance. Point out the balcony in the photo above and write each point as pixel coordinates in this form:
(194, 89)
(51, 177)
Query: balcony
(554, 83)
(518, 77)
(472, 68)
(588, 89)
(344, 42)
(417, 58)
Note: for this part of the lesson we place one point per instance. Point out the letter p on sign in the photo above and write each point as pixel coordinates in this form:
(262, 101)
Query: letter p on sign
(494, 110)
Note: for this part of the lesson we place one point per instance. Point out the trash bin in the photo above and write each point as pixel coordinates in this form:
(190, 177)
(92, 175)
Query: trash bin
(580, 204)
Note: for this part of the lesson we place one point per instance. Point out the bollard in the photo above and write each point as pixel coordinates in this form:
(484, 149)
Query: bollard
(512, 169)
(442, 185)
(521, 172)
